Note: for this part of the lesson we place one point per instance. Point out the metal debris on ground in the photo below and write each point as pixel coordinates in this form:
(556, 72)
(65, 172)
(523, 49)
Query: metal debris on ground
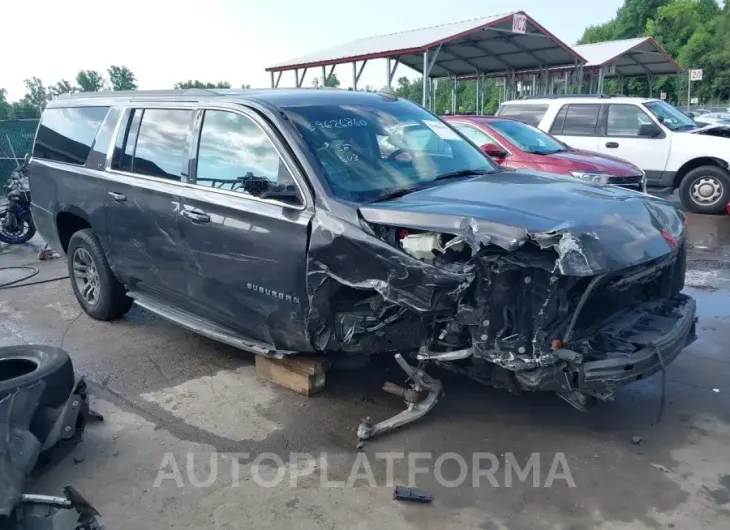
(404, 493)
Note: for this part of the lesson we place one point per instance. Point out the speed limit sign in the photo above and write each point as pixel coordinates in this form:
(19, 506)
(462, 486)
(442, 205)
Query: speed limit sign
(695, 75)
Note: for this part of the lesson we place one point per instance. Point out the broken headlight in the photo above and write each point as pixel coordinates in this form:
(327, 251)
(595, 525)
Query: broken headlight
(596, 178)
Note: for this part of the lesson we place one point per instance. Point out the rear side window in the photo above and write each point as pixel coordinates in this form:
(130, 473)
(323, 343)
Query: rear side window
(581, 120)
(530, 114)
(67, 134)
(154, 142)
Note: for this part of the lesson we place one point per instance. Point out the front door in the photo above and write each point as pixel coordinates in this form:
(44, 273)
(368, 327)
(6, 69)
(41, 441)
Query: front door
(624, 139)
(244, 229)
(145, 176)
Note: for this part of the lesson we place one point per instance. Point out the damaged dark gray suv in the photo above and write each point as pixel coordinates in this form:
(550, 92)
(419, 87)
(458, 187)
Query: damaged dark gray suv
(337, 222)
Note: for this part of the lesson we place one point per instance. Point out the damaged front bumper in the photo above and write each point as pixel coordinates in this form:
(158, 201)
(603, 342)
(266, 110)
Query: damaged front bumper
(660, 330)
(602, 377)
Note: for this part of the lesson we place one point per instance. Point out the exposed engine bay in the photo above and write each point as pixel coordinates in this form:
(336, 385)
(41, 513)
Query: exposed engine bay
(507, 307)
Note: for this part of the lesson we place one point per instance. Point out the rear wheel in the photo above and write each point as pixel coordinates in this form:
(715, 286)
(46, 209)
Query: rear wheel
(100, 294)
(706, 189)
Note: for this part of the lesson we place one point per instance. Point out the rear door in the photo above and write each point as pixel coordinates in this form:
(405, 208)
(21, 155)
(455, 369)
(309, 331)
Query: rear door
(147, 169)
(577, 124)
(623, 123)
(244, 229)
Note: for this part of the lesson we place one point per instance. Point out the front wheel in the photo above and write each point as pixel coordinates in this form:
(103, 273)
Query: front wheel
(13, 230)
(706, 189)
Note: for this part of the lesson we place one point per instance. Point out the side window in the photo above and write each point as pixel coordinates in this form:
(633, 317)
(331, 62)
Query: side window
(235, 154)
(581, 120)
(67, 134)
(625, 120)
(161, 143)
(529, 114)
(477, 136)
(557, 127)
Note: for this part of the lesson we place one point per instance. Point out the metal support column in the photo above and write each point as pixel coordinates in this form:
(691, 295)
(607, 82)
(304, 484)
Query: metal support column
(601, 79)
(482, 91)
(354, 75)
(651, 91)
(324, 76)
(425, 78)
(565, 82)
(454, 86)
(476, 103)
(387, 73)
(296, 77)
(621, 84)
(273, 85)
(434, 82)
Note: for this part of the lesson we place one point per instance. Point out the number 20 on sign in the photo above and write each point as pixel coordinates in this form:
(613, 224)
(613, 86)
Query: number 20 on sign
(695, 75)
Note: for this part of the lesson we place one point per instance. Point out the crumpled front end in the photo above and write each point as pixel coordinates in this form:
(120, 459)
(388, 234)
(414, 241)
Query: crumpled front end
(566, 309)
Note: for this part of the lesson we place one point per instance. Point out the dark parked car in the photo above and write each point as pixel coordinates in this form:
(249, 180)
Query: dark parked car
(517, 145)
(274, 221)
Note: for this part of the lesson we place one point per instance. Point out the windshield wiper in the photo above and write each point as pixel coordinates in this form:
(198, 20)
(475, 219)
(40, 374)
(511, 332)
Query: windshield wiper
(546, 152)
(454, 174)
(462, 173)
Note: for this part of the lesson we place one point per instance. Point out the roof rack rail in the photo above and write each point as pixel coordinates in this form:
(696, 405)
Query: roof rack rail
(558, 96)
(144, 93)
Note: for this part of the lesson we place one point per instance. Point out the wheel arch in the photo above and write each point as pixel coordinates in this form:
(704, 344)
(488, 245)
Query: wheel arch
(698, 162)
(70, 221)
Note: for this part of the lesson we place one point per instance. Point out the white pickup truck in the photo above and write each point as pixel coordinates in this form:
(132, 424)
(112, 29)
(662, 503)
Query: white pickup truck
(672, 150)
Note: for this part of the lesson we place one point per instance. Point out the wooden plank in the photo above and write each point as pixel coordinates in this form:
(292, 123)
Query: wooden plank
(304, 375)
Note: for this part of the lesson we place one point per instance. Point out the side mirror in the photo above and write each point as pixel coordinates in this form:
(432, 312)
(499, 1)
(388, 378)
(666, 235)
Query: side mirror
(649, 130)
(494, 151)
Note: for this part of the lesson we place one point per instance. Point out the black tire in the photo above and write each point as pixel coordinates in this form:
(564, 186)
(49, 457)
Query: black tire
(22, 366)
(111, 299)
(690, 194)
(27, 236)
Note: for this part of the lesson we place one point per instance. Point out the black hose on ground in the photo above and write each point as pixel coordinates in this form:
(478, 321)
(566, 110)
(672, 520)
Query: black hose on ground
(32, 272)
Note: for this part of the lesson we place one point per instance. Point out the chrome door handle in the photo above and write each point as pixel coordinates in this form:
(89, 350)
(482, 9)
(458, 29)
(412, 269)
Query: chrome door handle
(196, 216)
(118, 197)
(612, 145)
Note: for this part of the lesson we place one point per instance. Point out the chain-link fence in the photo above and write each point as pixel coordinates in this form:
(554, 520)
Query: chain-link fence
(16, 139)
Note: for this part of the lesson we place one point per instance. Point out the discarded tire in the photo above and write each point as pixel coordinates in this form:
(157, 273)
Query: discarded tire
(22, 366)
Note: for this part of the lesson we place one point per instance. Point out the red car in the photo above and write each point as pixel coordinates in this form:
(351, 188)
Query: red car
(516, 145)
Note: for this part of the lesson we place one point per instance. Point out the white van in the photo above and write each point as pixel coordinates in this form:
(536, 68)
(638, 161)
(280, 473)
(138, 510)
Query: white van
(670, 147)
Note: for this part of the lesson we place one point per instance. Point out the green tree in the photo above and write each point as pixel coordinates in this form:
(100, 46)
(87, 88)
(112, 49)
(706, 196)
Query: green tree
(90, 81)
(331, 82)
(122, 78)
(36, 95)
(200, 84)
(62, 87)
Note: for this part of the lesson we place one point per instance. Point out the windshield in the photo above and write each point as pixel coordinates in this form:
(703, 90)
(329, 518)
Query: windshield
(383, 146)
(528, 138)
(672, 118)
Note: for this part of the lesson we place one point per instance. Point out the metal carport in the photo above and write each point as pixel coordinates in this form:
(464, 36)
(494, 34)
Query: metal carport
(640, 57)
(500, 44)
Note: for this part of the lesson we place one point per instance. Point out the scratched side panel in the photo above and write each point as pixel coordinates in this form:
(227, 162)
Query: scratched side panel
(144, 237)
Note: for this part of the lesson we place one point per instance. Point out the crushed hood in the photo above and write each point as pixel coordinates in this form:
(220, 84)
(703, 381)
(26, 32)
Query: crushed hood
(593, 228)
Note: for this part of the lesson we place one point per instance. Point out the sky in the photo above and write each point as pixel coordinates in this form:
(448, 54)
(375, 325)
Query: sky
(164, 42)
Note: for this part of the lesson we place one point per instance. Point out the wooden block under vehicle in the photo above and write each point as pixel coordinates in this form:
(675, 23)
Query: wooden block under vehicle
(304, 375)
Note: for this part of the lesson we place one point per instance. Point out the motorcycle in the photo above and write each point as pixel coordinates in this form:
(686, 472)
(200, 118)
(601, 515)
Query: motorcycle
(16, 222)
